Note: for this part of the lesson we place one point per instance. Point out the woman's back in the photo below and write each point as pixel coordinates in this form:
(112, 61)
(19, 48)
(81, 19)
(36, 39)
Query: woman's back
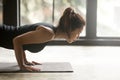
(7, 33)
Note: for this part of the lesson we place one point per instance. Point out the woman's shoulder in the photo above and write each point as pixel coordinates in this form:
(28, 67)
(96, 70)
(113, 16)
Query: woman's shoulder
(45, 29)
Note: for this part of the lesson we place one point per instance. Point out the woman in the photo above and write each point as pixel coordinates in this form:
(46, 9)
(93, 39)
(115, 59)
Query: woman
(34, 37)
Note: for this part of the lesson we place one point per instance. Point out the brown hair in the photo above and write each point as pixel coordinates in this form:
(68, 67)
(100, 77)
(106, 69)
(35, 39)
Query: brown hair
(70, 21)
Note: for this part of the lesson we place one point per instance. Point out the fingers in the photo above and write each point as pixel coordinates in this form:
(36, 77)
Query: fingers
(36, 63)
(35, 69)
(30, 63)
(30, 69)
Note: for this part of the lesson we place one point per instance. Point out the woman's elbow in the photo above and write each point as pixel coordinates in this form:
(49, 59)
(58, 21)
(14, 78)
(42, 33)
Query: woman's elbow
(17, 41)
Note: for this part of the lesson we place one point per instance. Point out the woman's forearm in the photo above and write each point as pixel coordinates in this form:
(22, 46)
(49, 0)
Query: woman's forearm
(19, 52)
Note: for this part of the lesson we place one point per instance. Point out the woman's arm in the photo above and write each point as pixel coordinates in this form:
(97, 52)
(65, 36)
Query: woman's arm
(40, 35)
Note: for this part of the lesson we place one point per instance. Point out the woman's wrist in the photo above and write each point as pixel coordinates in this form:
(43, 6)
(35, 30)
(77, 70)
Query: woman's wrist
(23, 67)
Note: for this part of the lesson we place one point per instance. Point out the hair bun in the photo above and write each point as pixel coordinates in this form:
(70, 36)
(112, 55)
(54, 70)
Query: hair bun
(68, 10)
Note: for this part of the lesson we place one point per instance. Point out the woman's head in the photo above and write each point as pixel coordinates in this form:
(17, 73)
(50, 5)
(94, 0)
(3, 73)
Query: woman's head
(71, 24)
(70, 21)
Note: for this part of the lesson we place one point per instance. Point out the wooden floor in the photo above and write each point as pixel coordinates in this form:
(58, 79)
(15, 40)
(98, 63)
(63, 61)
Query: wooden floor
(88, 62)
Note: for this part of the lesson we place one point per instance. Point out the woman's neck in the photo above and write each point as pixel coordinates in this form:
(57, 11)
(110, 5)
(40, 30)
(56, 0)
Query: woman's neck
(60, 34)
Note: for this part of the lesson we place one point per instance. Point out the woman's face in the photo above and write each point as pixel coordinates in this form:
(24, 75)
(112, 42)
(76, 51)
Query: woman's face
(74, 35)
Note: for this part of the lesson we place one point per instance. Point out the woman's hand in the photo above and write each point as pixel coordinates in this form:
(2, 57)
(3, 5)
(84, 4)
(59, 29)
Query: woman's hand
(32, 63)
(36, 63)
(30, 68)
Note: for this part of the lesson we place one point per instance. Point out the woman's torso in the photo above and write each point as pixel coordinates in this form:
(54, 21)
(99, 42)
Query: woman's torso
(7, 33)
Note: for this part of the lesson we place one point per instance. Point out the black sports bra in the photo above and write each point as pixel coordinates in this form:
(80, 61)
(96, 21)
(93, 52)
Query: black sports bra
(7, 33)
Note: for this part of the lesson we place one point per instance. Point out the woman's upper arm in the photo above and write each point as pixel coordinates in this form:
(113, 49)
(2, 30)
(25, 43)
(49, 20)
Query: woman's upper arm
(40, 35)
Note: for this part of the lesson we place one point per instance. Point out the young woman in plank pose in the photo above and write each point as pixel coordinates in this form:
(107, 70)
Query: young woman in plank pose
(34, 37)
